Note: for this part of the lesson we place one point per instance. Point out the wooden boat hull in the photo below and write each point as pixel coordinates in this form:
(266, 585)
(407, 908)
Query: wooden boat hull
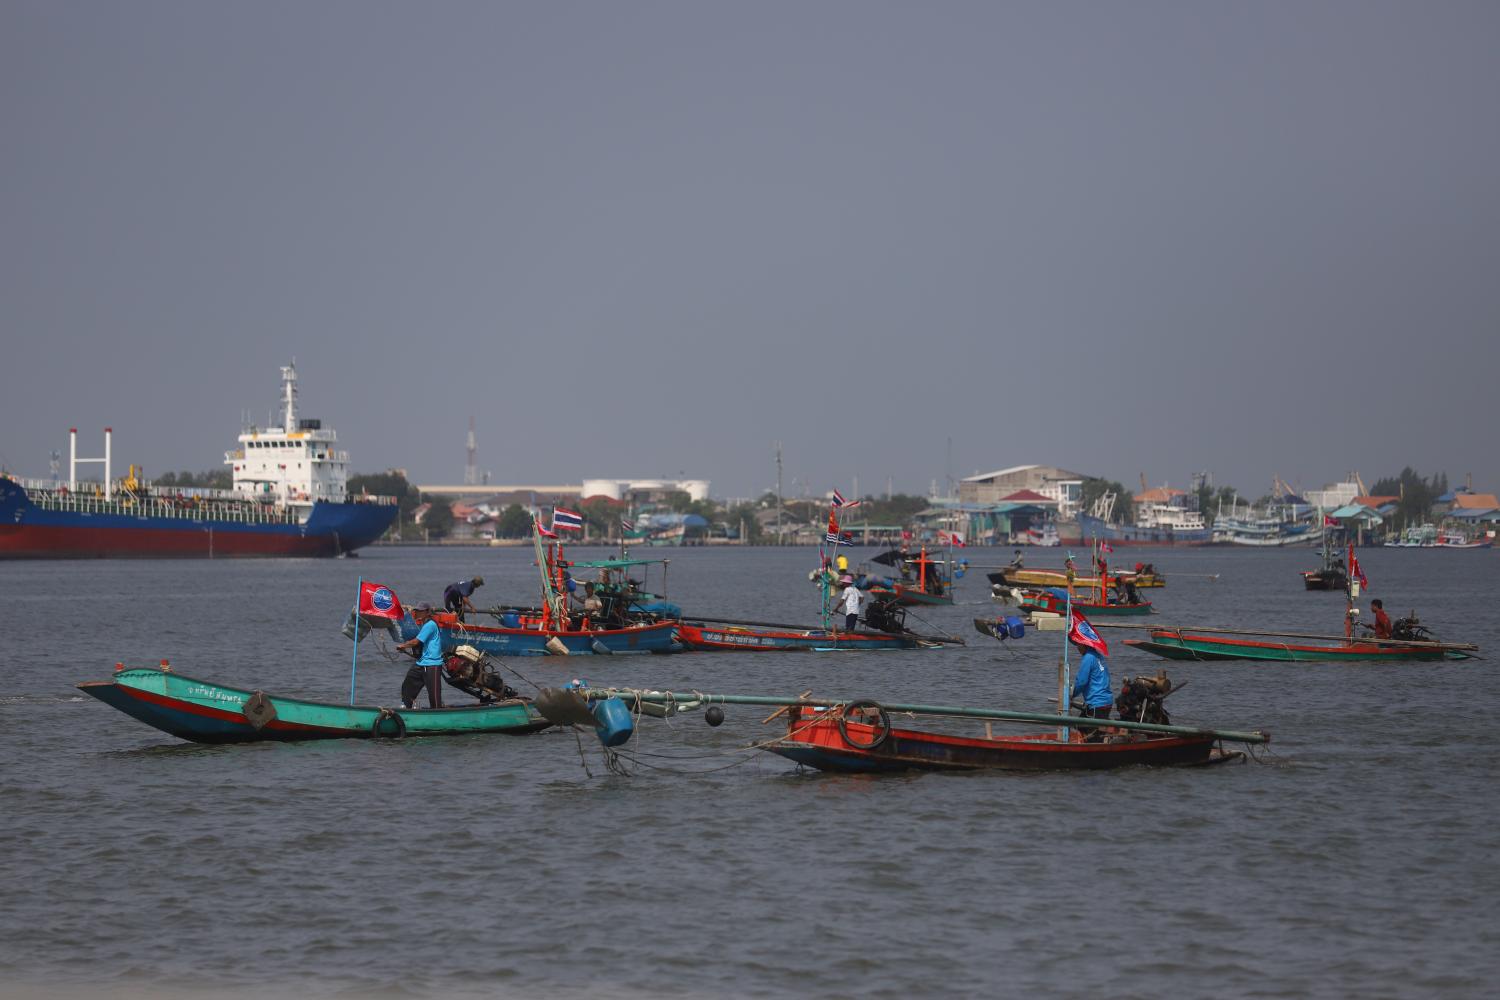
(1322, 579)
(815, 740)
(912, 596)
(205, 712)
(651, 637)
(1052, 604)
(1191, 646)
(1057, 578)
(697, 636)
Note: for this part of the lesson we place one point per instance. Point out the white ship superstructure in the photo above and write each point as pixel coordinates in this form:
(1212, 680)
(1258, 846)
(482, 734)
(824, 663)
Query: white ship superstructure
(296, 464)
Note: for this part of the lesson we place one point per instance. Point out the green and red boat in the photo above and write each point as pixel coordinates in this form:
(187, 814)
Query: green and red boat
(205, 712)
(1180, 644)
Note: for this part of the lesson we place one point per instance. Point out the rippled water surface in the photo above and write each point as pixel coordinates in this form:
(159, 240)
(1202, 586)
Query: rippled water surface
(1359, 858)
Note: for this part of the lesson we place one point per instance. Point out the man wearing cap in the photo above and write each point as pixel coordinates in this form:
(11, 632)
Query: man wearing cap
(853, 600)
(426, 672)
(456, 596)
(1092, 681)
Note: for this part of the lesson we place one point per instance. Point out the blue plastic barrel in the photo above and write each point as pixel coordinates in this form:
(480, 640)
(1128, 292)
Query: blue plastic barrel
(1015, 626)
(510, 620)
(612, 722)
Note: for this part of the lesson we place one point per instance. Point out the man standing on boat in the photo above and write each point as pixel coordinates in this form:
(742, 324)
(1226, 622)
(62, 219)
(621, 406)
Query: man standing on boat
(426, 672)
(1382, 620)
(456, 596)
(1092, 681)
(853, 600)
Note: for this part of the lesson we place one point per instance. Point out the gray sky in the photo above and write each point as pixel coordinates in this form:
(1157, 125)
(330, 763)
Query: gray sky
(652, 238)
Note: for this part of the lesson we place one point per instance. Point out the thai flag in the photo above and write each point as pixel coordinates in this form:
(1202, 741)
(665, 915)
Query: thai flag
(957, 539)
(626, 525)
(566, 520)
(838, 499)
(544, 532)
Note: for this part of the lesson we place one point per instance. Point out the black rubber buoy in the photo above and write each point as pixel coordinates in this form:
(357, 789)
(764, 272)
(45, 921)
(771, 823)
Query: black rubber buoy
(714, 715)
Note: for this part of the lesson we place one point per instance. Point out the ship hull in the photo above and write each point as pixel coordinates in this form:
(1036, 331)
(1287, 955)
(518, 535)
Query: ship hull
(29, 532)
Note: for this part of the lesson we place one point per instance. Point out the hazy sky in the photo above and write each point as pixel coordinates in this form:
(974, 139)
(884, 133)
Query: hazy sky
(651, 239)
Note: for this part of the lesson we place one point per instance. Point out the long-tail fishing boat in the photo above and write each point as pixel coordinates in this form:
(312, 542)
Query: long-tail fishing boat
(1409, 640)
(754, 637)
(206, 712)
(1008, 576)
(1053, 600)
(857, 735)
(923, 579)
(1331, 575)
(555, 631)
(1201, 644)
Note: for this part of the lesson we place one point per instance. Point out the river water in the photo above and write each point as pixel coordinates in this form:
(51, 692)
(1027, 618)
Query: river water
(1359, 857)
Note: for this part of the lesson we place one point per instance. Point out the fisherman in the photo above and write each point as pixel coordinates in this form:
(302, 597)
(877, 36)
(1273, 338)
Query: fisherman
(427, 671)
(593, 607)
(1382, 620)
(853, 600)
(456, 595)
(1092, 681)
(1016, 562)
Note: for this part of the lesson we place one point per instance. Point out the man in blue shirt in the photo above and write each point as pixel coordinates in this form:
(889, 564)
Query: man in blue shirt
(456, 595)
(1092, 681)
(427, 671)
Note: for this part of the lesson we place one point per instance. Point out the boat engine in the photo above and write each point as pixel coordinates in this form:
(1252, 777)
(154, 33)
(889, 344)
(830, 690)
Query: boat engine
(1411, 629)
(470, 671)
(1141, 699)
(885, 614)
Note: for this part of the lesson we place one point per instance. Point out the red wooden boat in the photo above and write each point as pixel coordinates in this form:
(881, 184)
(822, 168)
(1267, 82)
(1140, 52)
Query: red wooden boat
(756, 639)
(834, 740)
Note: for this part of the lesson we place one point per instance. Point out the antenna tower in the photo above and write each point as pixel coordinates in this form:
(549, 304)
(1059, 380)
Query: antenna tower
(471, 469)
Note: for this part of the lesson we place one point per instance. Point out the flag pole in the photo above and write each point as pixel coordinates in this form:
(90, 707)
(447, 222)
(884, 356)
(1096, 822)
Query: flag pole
(354, 657)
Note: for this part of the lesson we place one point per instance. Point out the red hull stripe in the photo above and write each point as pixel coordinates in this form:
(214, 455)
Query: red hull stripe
(33, 541)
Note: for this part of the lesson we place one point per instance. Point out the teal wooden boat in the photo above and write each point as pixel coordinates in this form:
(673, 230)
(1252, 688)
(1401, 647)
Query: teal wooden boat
(205, 712)
(1176, 644)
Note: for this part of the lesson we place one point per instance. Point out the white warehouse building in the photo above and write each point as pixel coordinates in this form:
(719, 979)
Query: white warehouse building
(618, 489)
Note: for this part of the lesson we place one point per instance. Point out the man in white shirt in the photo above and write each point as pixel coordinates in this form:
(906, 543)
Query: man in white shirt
(853, 600)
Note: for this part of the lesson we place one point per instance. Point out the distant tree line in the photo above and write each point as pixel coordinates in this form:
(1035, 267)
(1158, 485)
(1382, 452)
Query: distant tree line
(1417, 495)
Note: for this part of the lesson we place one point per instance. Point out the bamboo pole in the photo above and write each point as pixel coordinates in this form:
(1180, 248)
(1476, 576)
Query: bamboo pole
(1002, 715)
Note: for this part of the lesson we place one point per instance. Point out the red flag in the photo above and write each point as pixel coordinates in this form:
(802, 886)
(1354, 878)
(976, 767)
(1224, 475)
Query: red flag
(1329, 522)
(1106, 547)
(378, 601)
(906, 536)
(833, 523)
(544, 532)
(1355, 571)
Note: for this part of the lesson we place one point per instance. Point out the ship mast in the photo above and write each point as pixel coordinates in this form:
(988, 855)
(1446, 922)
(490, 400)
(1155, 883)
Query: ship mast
(289, 397)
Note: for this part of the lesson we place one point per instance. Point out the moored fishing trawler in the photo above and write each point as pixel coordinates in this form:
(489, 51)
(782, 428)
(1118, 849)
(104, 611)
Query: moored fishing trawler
(289, 498)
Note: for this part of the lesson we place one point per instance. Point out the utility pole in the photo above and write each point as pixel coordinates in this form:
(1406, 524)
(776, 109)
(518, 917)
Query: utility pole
(778, 492)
